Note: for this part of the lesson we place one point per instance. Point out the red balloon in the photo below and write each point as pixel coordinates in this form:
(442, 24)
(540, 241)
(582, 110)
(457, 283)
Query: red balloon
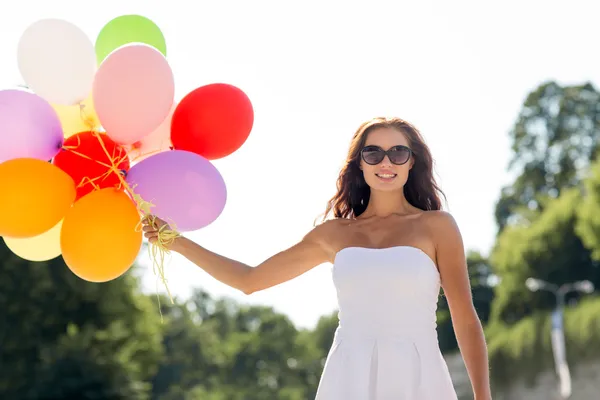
(88, 163)
(213, 121)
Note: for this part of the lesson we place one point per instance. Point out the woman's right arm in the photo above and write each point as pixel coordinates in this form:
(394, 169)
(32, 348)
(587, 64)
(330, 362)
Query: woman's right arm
(310, 252)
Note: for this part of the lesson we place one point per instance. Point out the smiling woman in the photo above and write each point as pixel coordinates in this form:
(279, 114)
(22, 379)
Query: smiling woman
(392, 248)
(406, 151)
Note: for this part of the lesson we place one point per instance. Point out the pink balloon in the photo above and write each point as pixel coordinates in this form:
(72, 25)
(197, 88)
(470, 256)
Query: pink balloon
(185, 188)
(156, 142)
(133, 92)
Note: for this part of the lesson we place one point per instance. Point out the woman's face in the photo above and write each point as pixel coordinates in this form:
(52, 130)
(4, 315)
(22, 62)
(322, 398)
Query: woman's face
(386, 172)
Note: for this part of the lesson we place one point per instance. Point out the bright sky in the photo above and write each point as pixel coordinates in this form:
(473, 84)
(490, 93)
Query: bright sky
(314, 71)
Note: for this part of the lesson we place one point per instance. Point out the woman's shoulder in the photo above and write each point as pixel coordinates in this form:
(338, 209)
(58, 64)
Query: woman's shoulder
(440, 222)
(324, 233)
(328, 228)
(437, 216)
(330, 225)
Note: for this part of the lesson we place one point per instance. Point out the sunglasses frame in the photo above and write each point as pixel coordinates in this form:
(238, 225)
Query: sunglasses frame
(387, 153)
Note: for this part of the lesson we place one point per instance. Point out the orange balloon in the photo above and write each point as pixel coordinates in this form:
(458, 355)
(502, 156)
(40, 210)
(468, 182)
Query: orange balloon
(99, 240)
(34, 196)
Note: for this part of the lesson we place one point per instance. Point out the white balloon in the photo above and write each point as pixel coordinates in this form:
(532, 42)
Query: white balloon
(57, 61)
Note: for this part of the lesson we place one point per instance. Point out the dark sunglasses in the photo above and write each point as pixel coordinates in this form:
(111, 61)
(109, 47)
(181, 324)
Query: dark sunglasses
(398, 155)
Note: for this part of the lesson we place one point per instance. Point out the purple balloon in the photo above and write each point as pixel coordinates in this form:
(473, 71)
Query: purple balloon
(29, 127)
(185, 188)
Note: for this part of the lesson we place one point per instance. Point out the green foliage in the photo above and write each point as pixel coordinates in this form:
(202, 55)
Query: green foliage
(554, 140)
(49, 315)
(215, 347)
(588, 226)
(480, 273)
(550, 230)
(63, 338)
(90, 363)
(548, 248)
(523, 350)
(323, 334)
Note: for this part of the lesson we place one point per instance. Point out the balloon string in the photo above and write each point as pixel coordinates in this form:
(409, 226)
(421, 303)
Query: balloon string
(146, 154)
(88, 120)
(167, 234)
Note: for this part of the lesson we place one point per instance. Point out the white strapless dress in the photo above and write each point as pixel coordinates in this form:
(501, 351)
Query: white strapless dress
(386, 346)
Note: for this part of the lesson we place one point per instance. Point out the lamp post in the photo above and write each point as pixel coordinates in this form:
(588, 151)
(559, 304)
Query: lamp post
(558, 334)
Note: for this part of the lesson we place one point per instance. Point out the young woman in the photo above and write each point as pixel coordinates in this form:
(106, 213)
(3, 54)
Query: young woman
(391, 248)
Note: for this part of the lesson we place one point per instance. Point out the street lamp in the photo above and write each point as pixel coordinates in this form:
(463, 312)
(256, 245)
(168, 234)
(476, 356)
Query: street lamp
(558, 334)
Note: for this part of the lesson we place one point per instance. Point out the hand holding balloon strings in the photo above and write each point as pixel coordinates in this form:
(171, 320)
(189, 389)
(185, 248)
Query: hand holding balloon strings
(157, 230)
(165, 235)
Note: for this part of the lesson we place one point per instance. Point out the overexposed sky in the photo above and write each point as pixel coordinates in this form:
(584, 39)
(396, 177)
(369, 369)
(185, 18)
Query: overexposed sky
(314, 71)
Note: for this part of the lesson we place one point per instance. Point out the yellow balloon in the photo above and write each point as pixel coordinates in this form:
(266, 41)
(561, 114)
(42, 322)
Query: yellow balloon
(77, 118)
(43, 247)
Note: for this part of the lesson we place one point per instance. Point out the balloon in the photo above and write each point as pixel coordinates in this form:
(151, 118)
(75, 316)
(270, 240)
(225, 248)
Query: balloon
(133, 92)
(73, 118)
(29, 127)
(156, 142)
(43, 247)
(99, 239)
(86, 160)
(57, 61)
(212, 121)
(35, 196)
(185, 188)
(128, 29)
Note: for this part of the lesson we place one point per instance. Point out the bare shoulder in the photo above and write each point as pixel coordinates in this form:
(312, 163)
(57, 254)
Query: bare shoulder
(440, 219)
(442, 226)
(324, 233)
(324, 230)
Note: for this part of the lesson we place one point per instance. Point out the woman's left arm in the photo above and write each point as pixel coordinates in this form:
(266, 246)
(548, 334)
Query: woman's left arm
(451, 260)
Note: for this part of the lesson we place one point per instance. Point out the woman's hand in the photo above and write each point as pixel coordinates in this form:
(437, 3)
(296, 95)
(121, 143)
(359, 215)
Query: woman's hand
(152, 225)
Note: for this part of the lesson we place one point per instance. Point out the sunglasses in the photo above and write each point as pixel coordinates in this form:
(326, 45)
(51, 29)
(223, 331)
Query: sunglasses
(398, 155)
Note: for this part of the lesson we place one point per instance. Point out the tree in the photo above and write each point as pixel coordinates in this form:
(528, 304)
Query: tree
(193, 355)
(88, 363)
(588, 226)
(523, 350)
(72, 339)
(325, 331)
(221, 349)
(548, 229)
(554, 140)
(547, 248)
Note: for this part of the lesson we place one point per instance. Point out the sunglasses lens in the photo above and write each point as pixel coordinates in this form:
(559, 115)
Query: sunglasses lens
(399, 155)
(372, 155)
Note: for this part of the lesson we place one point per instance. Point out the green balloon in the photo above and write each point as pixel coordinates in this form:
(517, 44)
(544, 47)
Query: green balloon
(128, 29)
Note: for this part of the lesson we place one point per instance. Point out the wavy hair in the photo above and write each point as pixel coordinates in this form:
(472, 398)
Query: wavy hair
(353, 192)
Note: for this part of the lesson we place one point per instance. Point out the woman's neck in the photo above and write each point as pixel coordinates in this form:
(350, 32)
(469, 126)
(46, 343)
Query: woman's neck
(384, 204)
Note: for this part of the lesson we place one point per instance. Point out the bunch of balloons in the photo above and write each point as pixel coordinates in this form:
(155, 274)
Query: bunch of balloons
(97, 141)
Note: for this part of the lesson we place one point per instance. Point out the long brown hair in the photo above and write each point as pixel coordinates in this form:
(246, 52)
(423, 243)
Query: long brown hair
(353, 193)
